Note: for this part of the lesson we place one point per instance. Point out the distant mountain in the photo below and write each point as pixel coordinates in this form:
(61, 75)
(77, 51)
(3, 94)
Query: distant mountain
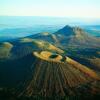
(92, 27)
(93, 30)
(75, 36)
(67, 30)
(16, 32)
(70, 37)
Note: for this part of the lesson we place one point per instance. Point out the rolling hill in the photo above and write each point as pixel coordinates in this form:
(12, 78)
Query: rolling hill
(5, 49)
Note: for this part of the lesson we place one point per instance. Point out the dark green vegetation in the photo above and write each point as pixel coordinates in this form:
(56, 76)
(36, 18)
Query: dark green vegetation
(24, 76)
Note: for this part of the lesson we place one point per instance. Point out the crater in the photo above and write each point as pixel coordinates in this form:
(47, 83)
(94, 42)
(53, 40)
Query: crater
(53, 56)
(46, 55)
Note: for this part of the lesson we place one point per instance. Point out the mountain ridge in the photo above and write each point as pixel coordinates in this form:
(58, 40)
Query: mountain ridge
(70, 37)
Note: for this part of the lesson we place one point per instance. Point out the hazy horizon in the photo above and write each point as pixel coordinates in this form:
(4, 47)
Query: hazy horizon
(15, 26)
(47, 20)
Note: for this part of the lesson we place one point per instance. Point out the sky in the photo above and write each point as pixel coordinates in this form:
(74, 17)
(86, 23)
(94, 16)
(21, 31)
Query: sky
(60, 8)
